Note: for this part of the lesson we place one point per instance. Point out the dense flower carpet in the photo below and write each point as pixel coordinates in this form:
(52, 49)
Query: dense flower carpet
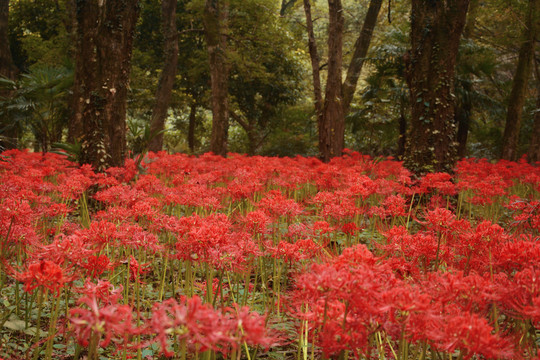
(268, 258)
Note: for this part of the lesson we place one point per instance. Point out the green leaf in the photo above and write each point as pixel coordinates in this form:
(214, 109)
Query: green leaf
(16, 325)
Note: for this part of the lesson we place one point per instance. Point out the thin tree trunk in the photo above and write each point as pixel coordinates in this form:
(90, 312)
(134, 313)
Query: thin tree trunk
(519, 85)
(315, 64)
(166, 81)
(360, 51)
(533, 154)
(191, 128)
(464, 108)
(105, 31)
(332, 130)
(463, 118)
(215, 26)
(436, 28)
(8, 70)
(402, 131)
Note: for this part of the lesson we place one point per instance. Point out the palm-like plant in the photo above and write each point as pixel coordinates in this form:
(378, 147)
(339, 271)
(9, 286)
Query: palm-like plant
(38, 104)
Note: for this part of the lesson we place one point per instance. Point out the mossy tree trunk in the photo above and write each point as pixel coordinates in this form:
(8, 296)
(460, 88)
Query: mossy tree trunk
(105, 30)
(436, 28)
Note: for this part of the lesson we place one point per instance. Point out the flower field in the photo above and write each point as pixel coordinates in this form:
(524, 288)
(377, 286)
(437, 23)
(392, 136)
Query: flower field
(268, 258)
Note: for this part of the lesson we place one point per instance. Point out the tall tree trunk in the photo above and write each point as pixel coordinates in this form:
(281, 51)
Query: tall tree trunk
(533, 154)
(464, 107)
(7, 68)
(9, 137)
(436, 28)
(315, 64)
(191, 126)
(360, 51)
(215, 29)
(105, 31)
(332, 129)
(520, 84)
(166, 81)
(338, 96)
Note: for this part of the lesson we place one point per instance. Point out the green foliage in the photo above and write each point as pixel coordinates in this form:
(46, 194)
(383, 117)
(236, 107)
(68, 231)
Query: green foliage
(38, 104)
(39, 33)
(71, 150)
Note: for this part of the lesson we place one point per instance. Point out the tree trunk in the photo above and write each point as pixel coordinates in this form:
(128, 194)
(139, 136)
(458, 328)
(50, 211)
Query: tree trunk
(464, 107)
(191, 128)
(402, 131)
(360, 51)
(215, 29)
(285, 4)
(519, 85)
(338, 96)
(105, 31)
(315, 64)
(436, 28)
(463, 118)
(533, 154)
(9, 137)
(7, 68)
(166, 81)
(332, 129)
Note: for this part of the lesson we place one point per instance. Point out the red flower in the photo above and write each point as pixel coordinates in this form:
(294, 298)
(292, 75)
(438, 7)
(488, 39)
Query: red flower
(44, 273)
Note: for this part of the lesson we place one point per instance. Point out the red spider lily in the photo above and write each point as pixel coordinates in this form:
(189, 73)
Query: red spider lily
(441, 182)
(256, 222)
(136, 270)
(392, 206)
(212, 240)
(104, 291)
(198, 324)
(44, 273)
(420, 249)
(472, 335)
(252, 329)
(350, 228)
(300, 250)
(73, 185)
(276, 205)
(113, 322)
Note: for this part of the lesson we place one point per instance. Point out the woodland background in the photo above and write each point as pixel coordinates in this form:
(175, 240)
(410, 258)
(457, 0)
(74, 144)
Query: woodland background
(105, 80)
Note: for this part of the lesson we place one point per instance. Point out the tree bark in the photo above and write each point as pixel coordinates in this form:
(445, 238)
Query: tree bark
(533, 154)
(463, 119)
(332, 109)
(332, 130)
(519, 85)
(166, 81)
(464, 107)
(105, 30)
(315, 64)
(215, 28)
(8, 70)
(360, 51)
(436, 28)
